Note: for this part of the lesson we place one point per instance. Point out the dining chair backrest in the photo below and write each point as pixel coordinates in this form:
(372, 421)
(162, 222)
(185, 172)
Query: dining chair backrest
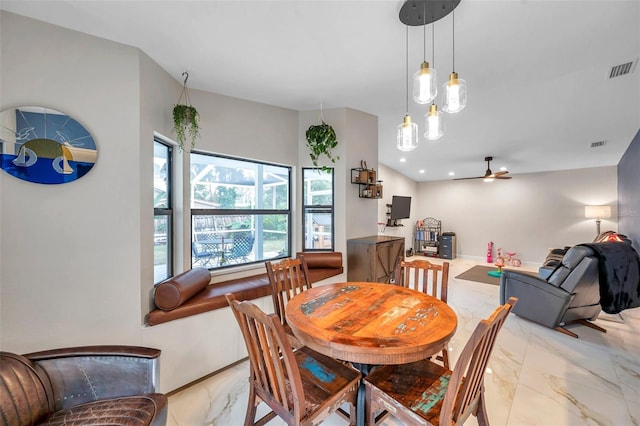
(288, 278)
(275, 377)
(466, 384)
(422, 275)
(301, 387)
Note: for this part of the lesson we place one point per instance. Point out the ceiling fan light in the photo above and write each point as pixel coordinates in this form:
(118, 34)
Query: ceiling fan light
(434, 125)
(407, 135)
(455, 94)
(488, 179)
(425, 86)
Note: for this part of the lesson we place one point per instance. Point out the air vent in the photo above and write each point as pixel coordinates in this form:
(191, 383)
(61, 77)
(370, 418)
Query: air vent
(597, 144)
(622, 69)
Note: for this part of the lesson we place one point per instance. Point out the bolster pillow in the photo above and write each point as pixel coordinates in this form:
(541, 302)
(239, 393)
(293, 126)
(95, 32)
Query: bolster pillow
(322, 259)
(175, 291)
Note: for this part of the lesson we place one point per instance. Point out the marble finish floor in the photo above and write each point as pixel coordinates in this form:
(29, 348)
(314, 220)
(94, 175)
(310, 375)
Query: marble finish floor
(536, 376)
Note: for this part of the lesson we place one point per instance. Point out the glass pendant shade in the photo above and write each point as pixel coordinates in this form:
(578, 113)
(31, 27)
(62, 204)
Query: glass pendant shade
(455, 94)
(434, 126)
(407, 135)
(425, 86)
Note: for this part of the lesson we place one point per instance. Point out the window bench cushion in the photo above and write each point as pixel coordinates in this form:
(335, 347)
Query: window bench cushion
(212, 297)
(182, 301)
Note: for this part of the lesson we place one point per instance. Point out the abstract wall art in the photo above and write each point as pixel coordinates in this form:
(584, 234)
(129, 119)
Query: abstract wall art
(46, 146)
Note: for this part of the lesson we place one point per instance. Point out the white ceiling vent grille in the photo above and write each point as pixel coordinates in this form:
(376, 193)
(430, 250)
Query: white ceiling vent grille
(622, 69)
(597, 144)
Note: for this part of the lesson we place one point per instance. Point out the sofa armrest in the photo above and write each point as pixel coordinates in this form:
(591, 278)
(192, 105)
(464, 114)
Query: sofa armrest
(90, 373)
(539, 301)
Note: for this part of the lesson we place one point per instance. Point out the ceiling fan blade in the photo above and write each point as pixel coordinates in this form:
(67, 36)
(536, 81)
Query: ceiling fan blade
(475, 177)
(503, 177)
(500, 173)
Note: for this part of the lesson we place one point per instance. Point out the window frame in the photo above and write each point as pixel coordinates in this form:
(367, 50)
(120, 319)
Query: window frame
(319, 208)
(168, 211)
(245, 211)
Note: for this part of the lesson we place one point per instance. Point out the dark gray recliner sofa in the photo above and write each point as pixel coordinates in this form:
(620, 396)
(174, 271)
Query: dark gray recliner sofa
(568, 294)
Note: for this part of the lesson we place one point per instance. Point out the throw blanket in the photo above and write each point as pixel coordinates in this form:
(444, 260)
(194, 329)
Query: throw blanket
(619, 271)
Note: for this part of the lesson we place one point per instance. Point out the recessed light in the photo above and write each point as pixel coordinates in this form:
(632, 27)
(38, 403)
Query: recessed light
(503, 169)
(452, 174)
(402, 160)
(421, 170)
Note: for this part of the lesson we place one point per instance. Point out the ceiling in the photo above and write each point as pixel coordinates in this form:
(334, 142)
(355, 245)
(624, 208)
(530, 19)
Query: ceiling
(537, 71)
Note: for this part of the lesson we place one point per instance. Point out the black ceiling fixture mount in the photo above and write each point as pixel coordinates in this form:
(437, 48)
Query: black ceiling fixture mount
(422, 12)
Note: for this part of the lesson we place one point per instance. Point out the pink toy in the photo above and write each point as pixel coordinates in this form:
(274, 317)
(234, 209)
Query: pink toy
(500, 258)
(512, 260)
(490, 252)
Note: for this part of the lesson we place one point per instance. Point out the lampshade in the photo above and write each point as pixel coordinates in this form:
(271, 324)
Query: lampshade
(407, 135)
(425, 86)
(455, 94)
(434, 126)
(597, 212)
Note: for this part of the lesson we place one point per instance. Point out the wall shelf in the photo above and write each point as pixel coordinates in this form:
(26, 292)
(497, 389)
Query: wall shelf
(368, 184)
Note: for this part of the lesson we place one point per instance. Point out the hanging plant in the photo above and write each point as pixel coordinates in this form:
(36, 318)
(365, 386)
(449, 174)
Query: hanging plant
(186, 119)
(321, 139)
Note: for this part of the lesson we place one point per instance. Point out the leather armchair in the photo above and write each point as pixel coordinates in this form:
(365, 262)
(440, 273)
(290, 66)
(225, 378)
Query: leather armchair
(80, 386)
(570, 293)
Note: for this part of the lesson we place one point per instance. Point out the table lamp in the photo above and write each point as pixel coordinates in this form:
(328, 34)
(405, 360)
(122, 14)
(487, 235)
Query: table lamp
(597, 213)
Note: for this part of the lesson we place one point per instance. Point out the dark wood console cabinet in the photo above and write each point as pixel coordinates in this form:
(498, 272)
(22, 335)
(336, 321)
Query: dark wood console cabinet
(374, 258)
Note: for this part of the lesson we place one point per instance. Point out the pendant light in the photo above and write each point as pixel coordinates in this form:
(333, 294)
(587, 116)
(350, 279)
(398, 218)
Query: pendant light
(407, 137)
(425, 85)
(455, 90)
(434, 125)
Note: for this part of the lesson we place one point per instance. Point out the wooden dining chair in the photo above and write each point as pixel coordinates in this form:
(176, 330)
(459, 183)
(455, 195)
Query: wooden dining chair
(430, 278)
(425, 393)
(288, 278)
(302, 387)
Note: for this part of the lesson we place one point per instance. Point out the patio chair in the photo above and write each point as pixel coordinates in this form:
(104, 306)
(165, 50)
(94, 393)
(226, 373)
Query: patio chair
(422, 275)
(241, 248)
(424, 393)
(301, 387)
(287, 278)
(201, 255)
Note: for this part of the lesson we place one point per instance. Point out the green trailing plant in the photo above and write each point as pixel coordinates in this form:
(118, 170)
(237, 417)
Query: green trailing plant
(321, 139)
(186, 120)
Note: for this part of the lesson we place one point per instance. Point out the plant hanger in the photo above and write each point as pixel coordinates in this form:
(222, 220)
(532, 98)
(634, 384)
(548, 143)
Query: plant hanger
(186, 118)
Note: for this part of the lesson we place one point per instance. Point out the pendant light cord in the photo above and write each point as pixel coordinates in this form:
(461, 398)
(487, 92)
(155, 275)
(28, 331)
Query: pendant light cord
(406, 74)
(424, 31)
(453, 48)
(433, 44)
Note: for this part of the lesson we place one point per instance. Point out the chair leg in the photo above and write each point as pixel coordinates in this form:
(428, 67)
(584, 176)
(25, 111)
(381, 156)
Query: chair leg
(445, 358)
(481, 414)
(563, 330)
(252, 406)
(590, 325)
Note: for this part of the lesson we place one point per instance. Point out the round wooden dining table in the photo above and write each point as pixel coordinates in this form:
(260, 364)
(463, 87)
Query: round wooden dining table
(370, 324)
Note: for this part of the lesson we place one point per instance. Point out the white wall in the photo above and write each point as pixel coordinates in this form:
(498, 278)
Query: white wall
(71, 266)
(395, 183)
(76, 268)
(528, 214)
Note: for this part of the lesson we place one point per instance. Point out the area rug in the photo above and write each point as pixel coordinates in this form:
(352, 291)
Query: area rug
(479, 274)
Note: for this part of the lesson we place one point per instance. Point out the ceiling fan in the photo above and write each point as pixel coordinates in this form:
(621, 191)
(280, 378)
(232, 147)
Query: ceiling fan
(489, 175)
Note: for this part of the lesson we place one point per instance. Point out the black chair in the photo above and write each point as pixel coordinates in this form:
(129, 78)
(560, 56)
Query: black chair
(570, 293)
(241, 248)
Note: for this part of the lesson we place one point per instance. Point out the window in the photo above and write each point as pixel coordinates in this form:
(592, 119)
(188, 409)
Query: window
(163, 211)
(240, 211)
(317, 206)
